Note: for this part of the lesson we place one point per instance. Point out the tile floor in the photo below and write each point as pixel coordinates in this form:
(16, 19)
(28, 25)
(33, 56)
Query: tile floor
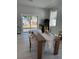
(23, 49)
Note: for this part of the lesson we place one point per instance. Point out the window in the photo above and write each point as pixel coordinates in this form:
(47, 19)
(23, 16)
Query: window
(53, 16)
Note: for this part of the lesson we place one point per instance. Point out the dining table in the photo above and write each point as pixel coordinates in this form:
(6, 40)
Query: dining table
(41, 39)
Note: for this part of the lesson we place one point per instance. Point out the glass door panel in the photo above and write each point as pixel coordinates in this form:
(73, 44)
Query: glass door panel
(26, 22)
(34, 22)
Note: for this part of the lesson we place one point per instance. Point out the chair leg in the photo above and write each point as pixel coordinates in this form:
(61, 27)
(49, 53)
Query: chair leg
(30, 45)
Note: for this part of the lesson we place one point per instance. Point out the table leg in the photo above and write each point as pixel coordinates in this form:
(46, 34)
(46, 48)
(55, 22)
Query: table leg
(39, 50)
(56, 47)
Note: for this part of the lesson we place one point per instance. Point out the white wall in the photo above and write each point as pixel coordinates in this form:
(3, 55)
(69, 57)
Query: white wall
(21, 9)
(42, 14)
(58, 26)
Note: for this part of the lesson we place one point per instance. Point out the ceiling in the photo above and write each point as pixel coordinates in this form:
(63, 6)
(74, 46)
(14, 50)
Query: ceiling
(41, 3)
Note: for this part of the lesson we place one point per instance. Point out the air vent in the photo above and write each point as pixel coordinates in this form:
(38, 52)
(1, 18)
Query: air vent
(31, 0)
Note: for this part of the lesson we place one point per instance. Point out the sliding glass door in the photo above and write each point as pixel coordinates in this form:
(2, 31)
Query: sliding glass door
(29, 22)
